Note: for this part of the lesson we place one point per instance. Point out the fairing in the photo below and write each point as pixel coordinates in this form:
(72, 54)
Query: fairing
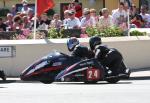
(48, 66)
(79, 67)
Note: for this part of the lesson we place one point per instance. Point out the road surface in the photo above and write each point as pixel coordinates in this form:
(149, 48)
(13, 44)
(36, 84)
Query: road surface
(127, 91)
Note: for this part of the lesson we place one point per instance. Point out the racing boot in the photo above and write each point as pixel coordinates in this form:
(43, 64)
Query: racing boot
(125, 74)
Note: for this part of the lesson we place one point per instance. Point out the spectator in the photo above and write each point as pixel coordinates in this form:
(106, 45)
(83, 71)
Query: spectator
(87, 20)
(137, 21)
(133, 11)
(25, 8)
(126, 7)
(44, 22)
(26, 23)
(85, 9)
(30, 14)
(17, 23)
(13, 10)
(75, 5)
(9, 22)
(2, 25)
(66, 16)
(93, 14)
(56, 22)
(73, 22)
(119, 14)
(45, 19)
(106, 20)
(144, 14)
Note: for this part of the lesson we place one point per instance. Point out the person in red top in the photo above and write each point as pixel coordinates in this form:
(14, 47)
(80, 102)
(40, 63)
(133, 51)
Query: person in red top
(138, 21)
(75, 5)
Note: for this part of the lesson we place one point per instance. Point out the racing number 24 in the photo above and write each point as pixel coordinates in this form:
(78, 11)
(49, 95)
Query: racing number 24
(93, 74)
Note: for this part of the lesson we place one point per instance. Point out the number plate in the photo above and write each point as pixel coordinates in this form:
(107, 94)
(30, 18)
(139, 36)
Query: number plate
(93, 74)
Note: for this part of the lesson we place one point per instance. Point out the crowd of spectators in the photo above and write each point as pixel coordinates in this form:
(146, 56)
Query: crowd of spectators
(18, 20)
(139, 19)
(24, 20)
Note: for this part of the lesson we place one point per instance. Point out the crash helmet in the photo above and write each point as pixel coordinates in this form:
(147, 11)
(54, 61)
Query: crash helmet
(94, 41)
(72, 43)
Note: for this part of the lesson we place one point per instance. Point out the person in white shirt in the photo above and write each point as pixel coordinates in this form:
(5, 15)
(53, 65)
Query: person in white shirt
(120, 12)
(73, 22)
(87, 20)
(144, 14)
(66, 16)
(106, 20)
(25, 9)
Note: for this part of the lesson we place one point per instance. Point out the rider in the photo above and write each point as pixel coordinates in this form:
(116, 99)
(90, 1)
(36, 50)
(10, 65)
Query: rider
(77, 49)
(109, 57)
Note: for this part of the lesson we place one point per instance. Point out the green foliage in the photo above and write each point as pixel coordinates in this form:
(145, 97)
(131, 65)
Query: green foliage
(3, 12)
(108, 32)
(137, 33)
(53, 33)
(91, 31)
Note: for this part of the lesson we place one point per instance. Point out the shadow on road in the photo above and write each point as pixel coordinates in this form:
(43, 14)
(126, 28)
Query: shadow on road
(140, 78)
(81, 83)
(141, 69)
(7, 81)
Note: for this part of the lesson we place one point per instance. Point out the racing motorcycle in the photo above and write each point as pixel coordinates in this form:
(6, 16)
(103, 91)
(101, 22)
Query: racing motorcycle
(58, 66)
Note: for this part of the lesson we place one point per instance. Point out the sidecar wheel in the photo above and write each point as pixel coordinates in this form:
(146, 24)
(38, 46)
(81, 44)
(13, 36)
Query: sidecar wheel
(90, 82)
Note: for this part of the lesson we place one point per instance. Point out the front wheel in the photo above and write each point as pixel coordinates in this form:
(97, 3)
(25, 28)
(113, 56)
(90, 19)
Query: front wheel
(47, 81)
(47, 78)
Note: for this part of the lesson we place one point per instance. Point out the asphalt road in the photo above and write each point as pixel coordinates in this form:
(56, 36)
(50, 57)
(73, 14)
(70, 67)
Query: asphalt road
(129, 91)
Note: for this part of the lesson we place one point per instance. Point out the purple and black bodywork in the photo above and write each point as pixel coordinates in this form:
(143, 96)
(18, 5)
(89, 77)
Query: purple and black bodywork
(47, 68)
(61, 67)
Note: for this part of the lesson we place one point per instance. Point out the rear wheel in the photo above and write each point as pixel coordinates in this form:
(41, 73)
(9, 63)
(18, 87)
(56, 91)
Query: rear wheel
(112, 80)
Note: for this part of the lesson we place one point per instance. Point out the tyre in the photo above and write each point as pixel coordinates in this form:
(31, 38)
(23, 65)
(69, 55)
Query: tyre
(112, 80)
(90, 82)
(47, 81)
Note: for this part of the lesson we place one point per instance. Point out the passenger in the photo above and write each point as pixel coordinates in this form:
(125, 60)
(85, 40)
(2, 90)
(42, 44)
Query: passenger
(109, 57)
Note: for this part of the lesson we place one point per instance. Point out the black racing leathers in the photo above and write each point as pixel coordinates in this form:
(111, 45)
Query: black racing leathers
(82, 52)
(111, 58)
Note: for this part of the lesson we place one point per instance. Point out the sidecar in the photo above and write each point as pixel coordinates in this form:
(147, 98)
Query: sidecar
(87, 71)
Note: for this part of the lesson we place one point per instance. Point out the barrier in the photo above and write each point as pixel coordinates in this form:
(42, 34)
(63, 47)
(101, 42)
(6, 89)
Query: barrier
(21, 53)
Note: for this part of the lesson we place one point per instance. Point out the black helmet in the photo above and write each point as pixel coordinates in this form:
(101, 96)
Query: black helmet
(95, 40)
(71, 43)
